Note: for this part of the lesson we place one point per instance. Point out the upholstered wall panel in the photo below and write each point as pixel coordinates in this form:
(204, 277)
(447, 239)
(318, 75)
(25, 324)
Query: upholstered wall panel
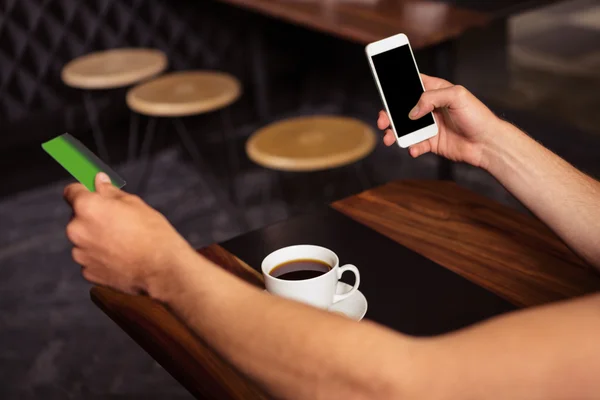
(38, 37)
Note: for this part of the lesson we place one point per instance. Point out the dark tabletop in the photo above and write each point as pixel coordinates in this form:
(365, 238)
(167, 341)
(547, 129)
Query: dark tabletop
(405, 291)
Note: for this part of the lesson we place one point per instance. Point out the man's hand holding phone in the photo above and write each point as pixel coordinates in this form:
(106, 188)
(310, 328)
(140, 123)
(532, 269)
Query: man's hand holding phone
(465, 124)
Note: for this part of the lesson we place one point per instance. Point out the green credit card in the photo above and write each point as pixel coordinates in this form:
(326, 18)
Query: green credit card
(79, 161)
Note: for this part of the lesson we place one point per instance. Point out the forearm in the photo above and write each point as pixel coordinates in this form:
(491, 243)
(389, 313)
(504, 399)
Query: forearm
(298, 352)
(567, 200)
(546, 353)
(295, 351)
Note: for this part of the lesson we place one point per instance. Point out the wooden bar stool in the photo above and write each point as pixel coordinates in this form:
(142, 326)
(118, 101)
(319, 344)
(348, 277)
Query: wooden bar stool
(110, 69)
(317, 143)
(186, 94)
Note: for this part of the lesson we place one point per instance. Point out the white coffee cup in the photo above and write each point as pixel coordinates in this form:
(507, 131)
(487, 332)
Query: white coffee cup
(319, 291)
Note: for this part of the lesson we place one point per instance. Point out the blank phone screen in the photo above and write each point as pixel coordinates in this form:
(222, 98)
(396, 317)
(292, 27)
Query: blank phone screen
(401, 87)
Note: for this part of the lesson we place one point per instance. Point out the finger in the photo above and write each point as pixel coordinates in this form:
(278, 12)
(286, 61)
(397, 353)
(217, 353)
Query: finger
(73, 192)
(383, 121)
(433, 83)
(452, 98)
(104, 186)
(75, 232)
(389, 138)
(89, 275)
(419, 149)
(79, 256)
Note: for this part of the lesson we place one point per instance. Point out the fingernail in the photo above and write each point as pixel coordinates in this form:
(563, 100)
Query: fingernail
(103, 177)
(414, 112)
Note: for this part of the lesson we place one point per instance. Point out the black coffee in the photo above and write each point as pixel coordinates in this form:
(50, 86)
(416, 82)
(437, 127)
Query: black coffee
(298, 270)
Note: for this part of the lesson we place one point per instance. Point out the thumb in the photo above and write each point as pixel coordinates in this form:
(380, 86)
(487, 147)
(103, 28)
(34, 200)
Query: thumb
(104, 185)
(451, 97)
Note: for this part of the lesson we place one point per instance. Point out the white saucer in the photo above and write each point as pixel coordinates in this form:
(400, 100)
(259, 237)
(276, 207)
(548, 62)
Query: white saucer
(354, 307)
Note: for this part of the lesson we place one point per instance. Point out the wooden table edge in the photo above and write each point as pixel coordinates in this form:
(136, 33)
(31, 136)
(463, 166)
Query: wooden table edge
(348, 33)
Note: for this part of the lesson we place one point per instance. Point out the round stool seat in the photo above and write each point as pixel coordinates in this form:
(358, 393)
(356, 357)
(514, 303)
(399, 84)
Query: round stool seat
(185, 93)
(113, 68)
(311, 143)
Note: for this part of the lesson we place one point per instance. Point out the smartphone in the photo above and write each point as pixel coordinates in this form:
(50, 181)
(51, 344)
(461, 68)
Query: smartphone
(399, 82)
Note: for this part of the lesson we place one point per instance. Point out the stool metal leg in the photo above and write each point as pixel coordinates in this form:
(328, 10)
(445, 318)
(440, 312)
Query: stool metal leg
(273, 191)
(327, 181)
(445, 59)
(261, 84)
(265, 198)
(207, 179)
(69, 119)
(145, 156)
(445, 169)
(134, 126)
(308, 90)
(280, 190)
(92, 114)
(362, 175)
(232, 160)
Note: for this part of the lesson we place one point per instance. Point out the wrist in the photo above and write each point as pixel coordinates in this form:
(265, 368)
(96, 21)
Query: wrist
(501, 141)
(169, 276)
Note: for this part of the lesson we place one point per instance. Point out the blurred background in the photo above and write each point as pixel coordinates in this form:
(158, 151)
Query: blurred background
(535, 63)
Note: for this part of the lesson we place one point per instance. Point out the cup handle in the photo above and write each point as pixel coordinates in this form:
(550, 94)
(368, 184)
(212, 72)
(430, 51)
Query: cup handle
(341, 270)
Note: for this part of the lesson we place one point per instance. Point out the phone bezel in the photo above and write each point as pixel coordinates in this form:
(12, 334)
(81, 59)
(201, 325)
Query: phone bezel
(382, 46)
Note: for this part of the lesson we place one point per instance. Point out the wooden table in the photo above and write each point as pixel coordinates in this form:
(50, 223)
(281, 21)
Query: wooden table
(425, 22)
(509, 253)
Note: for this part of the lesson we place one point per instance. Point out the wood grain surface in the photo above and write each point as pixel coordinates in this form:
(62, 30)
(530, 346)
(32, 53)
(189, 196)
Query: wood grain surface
(311, 143)
(184, 93)
(511, 254)
(185, 356)
(114, 68)
(507, 252)
(425, 22)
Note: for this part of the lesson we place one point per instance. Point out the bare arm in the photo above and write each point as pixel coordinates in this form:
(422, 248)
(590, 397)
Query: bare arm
(295, 351)
(567, 200)
(298, 352)
(548, 352)
(564, 198)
